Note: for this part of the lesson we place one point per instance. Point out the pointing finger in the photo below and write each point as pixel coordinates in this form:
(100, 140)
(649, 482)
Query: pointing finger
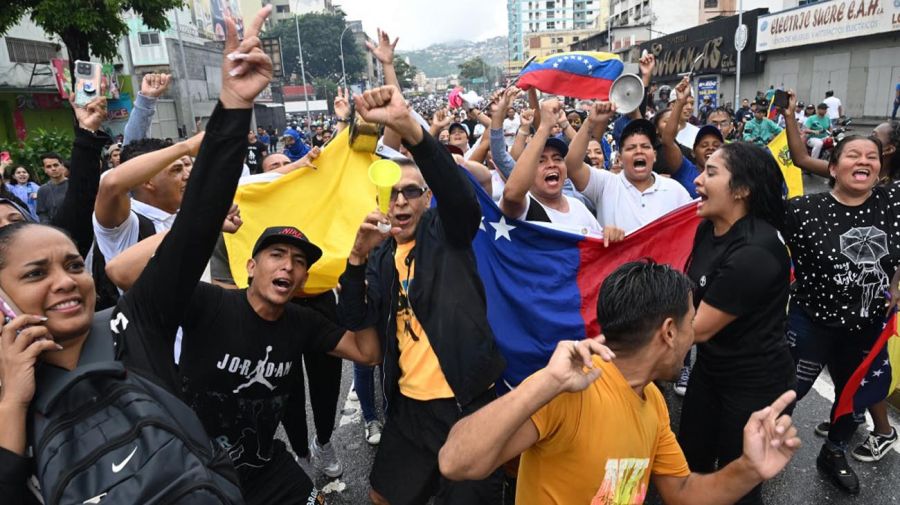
(258, 20)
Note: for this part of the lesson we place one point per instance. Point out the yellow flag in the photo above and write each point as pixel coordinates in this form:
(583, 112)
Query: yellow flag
(792, 175)
(327, 204)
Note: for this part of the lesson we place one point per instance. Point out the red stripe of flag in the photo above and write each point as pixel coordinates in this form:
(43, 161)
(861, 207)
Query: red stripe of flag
(845, 402)
(566, 84)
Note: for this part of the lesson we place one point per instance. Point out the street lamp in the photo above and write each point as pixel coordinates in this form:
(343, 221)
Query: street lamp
(343, 72)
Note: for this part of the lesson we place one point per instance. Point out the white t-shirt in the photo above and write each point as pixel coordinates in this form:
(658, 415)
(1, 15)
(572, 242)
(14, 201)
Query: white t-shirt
(687, 135)
(578, 220)
(510, 127)
(497, 185)
(834, 107)
(622, 205)
(113, 241)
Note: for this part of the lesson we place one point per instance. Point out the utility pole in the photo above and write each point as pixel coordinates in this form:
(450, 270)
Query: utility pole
(186, 79)
(739, 46)
(302, 73)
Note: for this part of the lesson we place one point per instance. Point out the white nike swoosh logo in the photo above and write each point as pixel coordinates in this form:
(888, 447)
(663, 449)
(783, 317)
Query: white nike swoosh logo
(118, 468)
(95, 499)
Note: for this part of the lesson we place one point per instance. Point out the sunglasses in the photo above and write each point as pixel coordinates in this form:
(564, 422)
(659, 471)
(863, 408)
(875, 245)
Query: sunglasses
(409, 192)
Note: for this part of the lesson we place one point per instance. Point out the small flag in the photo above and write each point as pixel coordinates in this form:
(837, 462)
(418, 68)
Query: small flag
(793, 177)
(877, 376)
(542, 284)
(580, 74)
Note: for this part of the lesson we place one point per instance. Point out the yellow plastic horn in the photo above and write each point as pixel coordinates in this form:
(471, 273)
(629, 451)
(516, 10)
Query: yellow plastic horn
(384, 174)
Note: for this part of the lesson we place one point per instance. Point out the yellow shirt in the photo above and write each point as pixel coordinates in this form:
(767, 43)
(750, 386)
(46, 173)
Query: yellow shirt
(421, 377)
(599, 446)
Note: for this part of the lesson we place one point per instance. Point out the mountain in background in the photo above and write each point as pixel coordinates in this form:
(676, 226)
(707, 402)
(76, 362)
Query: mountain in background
(441, 60)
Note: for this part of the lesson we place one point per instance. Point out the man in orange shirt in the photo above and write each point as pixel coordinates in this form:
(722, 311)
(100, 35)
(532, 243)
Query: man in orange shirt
(591, 431)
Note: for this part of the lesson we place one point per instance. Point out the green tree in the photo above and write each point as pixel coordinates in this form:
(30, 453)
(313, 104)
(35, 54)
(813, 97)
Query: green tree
(406, 73)
(86, 26)
(473, 68)
(320, 35)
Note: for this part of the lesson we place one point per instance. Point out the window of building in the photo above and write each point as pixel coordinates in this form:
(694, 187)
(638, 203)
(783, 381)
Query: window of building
(710, 4)
(551, 25)
(283, 9)
(149, 38)
(30, 51)
(551, 5)
(576, 38)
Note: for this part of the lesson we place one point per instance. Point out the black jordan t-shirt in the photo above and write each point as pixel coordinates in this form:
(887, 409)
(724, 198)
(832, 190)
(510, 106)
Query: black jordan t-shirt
(236, 368)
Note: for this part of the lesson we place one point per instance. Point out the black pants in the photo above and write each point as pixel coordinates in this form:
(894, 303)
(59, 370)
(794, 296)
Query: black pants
(714, 412)
(324, 373)
(815, 346)
(281, 481)
(406, 471)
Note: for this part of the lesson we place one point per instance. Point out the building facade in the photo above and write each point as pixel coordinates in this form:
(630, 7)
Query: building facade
(547, 43)
(633, 22)
(287, 9)
(527, 17)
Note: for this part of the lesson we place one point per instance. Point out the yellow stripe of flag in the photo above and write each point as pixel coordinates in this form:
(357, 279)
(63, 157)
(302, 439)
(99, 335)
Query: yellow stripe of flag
(793, 177)
(327, 204)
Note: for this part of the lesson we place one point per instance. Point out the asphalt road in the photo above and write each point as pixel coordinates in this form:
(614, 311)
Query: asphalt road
(799, 484)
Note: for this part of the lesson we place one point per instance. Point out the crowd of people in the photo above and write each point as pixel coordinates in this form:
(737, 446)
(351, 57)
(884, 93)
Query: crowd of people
(127, 345)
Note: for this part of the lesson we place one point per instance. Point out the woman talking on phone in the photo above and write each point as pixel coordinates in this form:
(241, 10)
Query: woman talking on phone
(43, 274)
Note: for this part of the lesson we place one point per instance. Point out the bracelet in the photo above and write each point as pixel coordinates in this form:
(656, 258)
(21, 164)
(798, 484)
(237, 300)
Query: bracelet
(567, 124)
(520, 132)
(340, 120)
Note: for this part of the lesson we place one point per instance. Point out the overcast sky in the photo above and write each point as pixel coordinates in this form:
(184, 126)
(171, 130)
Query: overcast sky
(420, 23)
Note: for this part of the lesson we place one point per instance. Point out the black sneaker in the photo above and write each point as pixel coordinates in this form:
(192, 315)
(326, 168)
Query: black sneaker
(875, 447)
(833, 463)
(823, 428)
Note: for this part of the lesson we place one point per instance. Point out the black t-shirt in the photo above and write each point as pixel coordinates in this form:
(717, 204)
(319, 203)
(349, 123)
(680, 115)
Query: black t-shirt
(236, 368)
(318, 141)
(745, 273)
(844, 257)
(255, 154)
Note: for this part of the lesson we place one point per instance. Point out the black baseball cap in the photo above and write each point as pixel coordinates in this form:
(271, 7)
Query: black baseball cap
(558, 144)
(641, 126)
(291, 236)
(708, 130)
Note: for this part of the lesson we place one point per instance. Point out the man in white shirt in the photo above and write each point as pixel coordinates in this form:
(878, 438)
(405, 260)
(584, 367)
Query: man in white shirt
(534, 190)
(835, 107)
(634, 197)
(510, 126)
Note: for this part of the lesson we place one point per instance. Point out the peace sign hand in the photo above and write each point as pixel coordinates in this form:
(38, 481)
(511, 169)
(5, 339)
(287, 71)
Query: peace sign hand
(246, 69)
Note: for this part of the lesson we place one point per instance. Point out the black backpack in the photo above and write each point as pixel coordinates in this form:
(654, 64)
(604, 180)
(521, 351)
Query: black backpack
(107, 292)
(104, 434)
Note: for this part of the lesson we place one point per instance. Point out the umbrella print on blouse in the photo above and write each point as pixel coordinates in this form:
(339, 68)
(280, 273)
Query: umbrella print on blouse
(864, 246)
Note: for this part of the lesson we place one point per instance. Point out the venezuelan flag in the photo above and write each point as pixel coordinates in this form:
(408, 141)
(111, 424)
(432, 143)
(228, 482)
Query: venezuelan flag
(793, 177)
(327, 204)
(578, 74)
(877, 377)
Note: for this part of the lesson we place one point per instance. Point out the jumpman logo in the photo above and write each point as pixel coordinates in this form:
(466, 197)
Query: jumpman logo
(258, 375)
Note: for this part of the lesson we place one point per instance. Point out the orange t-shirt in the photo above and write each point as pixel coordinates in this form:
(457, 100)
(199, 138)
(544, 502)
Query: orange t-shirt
(599, 446)
(421, 377)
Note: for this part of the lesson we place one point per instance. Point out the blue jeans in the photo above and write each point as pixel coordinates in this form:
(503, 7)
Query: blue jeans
(815, 346)
(364, 383)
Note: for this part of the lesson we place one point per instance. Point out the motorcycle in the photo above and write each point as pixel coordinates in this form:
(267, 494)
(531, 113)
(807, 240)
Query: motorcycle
(838, 132)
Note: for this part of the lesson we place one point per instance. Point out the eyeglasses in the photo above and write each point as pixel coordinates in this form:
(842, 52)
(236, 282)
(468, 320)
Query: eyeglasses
(409, 192)
(720, 124)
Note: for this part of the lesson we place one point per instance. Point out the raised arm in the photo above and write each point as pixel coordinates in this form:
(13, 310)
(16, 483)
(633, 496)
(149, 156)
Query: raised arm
(598, 119)
(671, 152)
(503, 429)
(341, 110)
(167, 283)
(516, 189)
(499, 154)
(441, 119)
(459, 210)
(527, 118)
(113, 201)
(384, 53)
(770, 441)
(565, 125)
(796, 146)
(74, 214)
(535, 105)
(138, 125)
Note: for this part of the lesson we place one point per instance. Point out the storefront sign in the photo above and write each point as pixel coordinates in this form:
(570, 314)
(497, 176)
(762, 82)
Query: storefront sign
(713, 41)
(826, 22)
(708, 87)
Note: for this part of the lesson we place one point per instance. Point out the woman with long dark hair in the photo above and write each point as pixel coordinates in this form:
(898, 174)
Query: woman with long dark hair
(845, 245)
(741, 269)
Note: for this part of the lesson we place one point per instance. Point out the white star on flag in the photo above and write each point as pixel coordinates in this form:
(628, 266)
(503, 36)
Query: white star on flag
(886, 362)
(877, 373)
(481, 224)
(863, 382)
(502, 228)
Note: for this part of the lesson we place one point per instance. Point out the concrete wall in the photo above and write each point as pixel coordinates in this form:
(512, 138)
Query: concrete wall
(203, 82)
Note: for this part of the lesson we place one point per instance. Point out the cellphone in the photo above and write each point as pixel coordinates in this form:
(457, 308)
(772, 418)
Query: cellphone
(780, 99)
(9, 309)
(87, 81)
